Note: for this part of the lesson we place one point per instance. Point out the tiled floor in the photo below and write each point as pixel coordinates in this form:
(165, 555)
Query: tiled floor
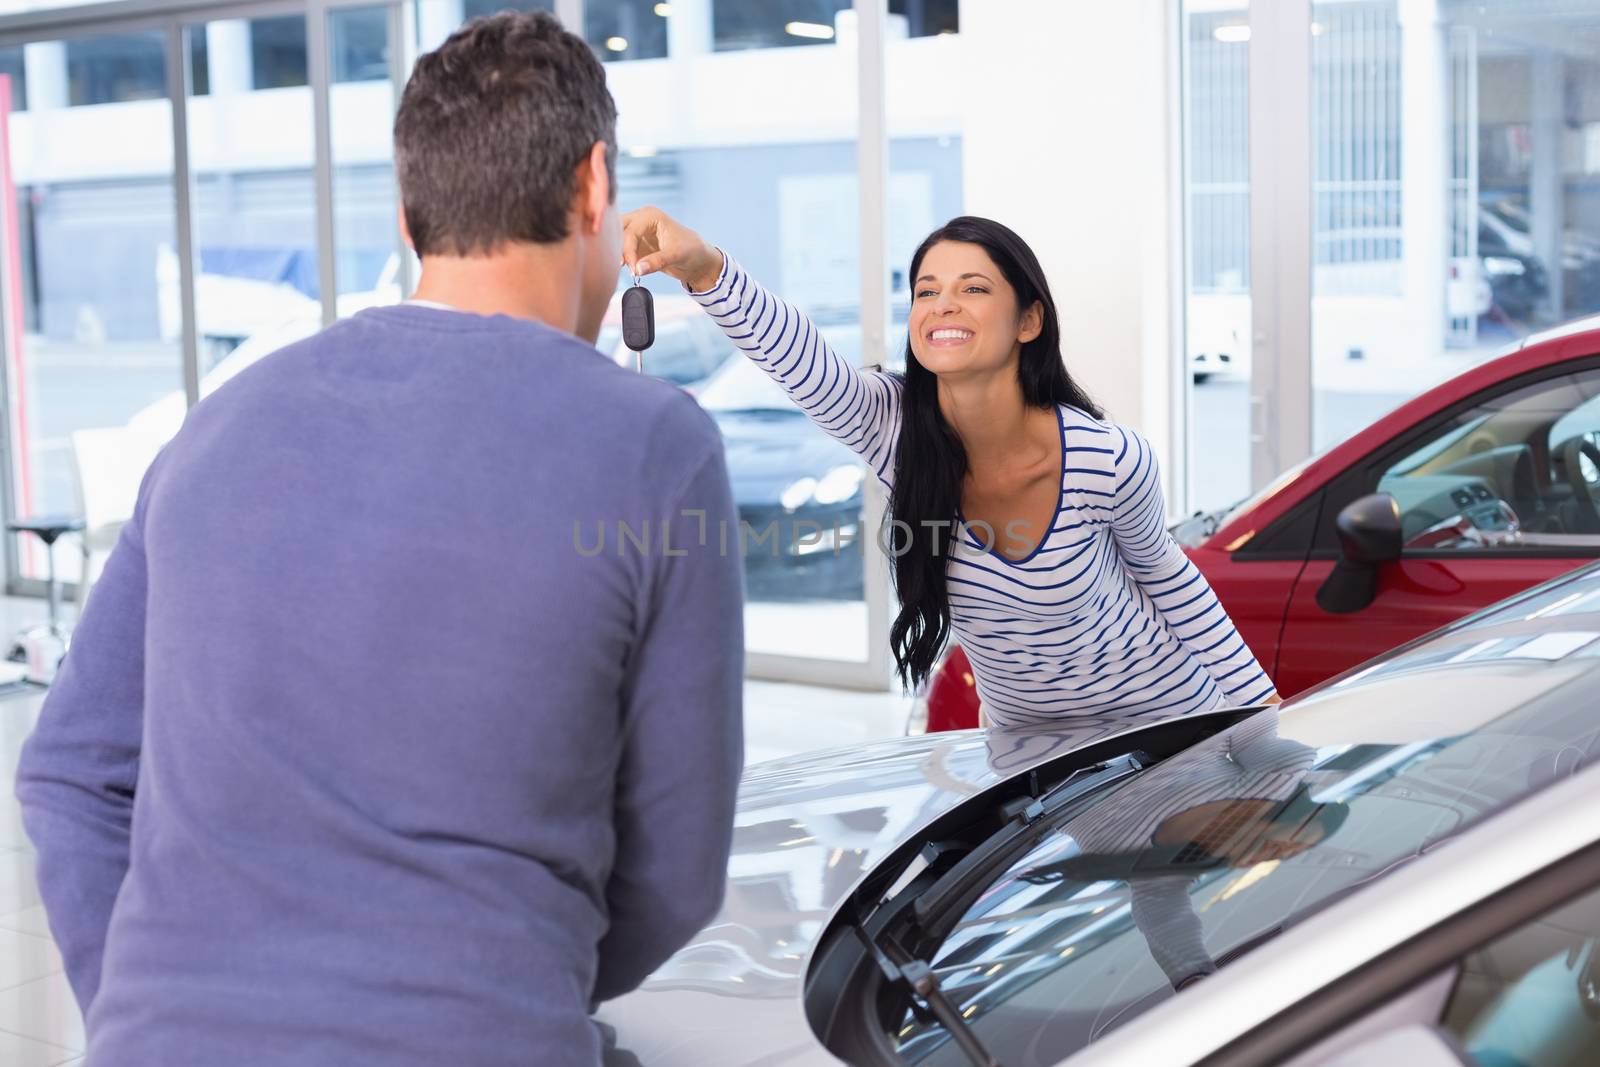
(39, 1021)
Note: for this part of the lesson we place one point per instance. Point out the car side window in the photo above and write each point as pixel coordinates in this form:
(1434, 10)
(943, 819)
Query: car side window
(1516, 472)
(1532, 996)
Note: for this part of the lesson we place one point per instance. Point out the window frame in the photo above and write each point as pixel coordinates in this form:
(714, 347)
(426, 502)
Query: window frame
(1359, 993)
(174, 19)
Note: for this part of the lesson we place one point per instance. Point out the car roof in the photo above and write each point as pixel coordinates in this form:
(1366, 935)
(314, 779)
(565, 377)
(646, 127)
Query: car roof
(1587, 324)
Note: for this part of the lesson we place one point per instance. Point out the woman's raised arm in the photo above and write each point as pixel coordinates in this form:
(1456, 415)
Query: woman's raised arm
(860, 409)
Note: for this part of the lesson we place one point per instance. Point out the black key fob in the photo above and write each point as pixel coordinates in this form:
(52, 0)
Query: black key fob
(638, 318)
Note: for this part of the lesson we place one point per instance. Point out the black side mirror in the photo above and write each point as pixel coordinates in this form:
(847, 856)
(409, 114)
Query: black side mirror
(1369, 537)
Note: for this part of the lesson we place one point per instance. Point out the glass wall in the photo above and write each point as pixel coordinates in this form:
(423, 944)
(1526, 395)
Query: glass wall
(94, 229)
(250, 152)
(769, 176)
(792, 23)
(630, 29)
(366, 200)
(1216, 161)
(768, 171)
(1457, 190)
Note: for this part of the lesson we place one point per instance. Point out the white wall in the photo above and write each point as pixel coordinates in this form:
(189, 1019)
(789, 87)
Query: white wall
(1065, 139)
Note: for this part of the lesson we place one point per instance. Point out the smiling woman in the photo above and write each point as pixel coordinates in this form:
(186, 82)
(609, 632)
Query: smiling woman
(1022, 521)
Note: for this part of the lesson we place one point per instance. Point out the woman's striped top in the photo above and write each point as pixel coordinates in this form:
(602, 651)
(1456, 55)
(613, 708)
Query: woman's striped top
(1106, 613)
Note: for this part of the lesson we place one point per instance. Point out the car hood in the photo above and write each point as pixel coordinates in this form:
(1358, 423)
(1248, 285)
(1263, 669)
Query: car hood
(807, 829)
(769, 450)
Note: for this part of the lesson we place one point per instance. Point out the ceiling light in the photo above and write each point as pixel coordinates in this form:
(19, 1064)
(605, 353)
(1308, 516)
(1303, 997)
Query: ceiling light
(1235, 33)
(663, 10)
(642, 151)
(617, 44)
(815, 30)
(1318, 29)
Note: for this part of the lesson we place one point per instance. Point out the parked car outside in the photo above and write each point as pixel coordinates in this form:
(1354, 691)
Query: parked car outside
(1517, 278)
(1493, 485)
(797, 490)
(1509, 226)
(1404, 857)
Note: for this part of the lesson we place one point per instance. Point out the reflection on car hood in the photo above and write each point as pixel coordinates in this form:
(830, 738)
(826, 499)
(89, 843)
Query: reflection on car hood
(807, 829)
(810, 827)
(770, 450)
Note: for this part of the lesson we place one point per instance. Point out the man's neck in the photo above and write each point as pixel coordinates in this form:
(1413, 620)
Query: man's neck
(524, 281)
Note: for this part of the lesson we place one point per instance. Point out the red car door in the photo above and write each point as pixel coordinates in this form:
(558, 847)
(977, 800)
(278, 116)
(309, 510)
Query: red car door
(1498, 494)
(1252, 591)
(1413, 597)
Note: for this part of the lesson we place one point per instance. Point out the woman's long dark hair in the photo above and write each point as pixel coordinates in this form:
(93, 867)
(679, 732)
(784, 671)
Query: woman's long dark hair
(931, 463)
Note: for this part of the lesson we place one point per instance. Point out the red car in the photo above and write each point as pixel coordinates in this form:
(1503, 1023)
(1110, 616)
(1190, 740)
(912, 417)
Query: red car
(1477, 489)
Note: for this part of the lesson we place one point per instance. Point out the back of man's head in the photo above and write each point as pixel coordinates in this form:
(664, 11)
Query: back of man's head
(491, 129)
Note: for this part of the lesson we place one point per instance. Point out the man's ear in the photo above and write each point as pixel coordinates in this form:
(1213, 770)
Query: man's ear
(1032, 323)
(594, 189)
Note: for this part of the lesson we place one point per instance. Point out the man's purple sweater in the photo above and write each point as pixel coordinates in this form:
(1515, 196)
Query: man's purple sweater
(362, 754)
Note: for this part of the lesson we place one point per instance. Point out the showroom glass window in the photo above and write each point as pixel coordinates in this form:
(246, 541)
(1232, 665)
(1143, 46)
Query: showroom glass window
(632, 29)
(1456, 163)
(94, 233)
(113, 70)
(791, 23)
(256, 286)
(373, 266)
(770, 176)
(12, 65)
(1216, 162)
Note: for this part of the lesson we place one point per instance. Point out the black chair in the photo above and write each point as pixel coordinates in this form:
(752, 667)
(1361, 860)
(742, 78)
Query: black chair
(49, 529)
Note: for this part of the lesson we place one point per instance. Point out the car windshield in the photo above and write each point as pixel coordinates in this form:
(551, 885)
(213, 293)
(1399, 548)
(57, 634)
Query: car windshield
(1183, 867)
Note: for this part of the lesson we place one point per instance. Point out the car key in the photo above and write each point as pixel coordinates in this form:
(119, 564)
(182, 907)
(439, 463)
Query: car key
(638, 321)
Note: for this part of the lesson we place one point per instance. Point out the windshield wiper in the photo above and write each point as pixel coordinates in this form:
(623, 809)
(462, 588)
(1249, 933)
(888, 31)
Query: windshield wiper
(1023, 814)
(916, 975)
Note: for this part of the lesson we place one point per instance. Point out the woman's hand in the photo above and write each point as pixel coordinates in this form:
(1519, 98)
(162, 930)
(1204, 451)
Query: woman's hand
(652, 240)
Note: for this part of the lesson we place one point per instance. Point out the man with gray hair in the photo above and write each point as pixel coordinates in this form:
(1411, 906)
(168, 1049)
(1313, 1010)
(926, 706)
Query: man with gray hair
(356, 760)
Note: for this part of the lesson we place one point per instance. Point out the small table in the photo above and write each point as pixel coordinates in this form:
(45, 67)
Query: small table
(54, 635)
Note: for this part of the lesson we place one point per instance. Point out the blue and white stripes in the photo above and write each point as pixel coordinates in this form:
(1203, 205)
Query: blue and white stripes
(1106, 613)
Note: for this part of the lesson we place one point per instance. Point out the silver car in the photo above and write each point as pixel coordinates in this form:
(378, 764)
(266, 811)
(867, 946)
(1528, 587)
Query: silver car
(1403, 864)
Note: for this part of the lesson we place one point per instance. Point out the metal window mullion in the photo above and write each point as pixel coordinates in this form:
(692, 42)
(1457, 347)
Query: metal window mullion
(99, 19)
(1281, 246)
(399, 72)
(1179, 382)
(13, 351)
(183, 201)
(872, 154)
(319, 74)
